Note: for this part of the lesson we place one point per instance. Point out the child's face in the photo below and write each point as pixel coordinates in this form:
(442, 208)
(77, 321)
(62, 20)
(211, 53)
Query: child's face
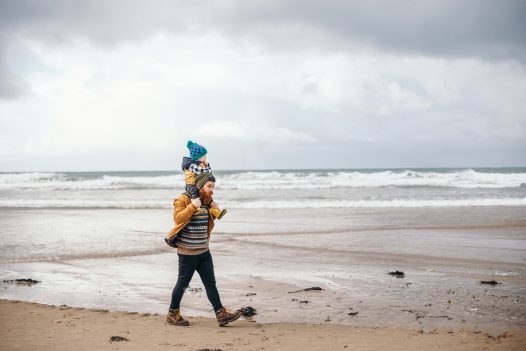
(203, 159)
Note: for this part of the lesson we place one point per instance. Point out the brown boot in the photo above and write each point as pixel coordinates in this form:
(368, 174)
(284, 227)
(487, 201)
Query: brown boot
(174, 317)
(224, 317)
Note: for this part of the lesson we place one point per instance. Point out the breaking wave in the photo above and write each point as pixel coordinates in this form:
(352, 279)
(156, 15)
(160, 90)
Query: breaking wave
(284, 204)
(252, 180)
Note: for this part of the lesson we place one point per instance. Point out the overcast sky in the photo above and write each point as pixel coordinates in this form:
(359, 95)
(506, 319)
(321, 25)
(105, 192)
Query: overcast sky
(122, 85)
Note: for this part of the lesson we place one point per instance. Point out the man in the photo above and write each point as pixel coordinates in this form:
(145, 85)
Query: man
(191, 236)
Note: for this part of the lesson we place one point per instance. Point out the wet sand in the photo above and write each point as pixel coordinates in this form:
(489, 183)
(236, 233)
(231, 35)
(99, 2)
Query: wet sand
(30, 326)
(261, 256)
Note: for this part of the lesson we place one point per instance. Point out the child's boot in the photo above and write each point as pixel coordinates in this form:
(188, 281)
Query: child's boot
(223, 212)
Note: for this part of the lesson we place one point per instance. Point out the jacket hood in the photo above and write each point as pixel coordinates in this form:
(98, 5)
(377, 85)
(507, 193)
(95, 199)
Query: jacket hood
(187, 161)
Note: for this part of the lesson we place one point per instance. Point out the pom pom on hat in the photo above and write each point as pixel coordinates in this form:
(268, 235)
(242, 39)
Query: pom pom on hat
(196, 151)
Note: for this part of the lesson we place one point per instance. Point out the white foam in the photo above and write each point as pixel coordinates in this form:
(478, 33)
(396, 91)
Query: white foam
(269, 180)
(290, 180)
(60, 181)
(85, 203)
(152, 204)
(402, 203)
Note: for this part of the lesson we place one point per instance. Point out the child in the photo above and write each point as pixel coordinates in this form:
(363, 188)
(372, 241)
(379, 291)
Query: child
(192, 167)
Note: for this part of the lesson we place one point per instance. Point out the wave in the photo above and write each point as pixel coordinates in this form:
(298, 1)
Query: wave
(396, 203)
(388, 178)
(62, 181)
(253, 180)
(285, 204)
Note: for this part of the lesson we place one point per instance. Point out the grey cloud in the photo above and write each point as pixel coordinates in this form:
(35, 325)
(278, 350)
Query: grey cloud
(103, 22)
(474, 28)
(11, 86)
(59, 22)
(471, 28)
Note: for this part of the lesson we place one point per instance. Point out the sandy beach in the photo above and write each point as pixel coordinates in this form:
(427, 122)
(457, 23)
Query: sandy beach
(444, 256)
(30, 326)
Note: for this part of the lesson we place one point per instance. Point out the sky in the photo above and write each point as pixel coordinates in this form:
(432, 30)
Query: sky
(123, 84)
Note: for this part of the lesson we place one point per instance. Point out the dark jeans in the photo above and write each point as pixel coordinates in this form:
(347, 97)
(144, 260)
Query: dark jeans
(204, 265)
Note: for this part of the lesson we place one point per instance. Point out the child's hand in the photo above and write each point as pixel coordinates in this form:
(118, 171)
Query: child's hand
(196, 202)
(214, 205)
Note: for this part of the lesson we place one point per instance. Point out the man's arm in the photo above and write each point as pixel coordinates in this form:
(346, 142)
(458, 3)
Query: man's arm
(183, 211)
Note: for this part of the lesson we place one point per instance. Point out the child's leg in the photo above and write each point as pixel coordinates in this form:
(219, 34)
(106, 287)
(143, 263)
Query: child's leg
(217, 213)
(192, 190)
(194, 194)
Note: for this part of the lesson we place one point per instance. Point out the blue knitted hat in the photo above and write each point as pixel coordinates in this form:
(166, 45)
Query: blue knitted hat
(196, 151)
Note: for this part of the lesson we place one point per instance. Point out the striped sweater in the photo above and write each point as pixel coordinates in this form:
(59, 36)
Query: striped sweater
(193, 238)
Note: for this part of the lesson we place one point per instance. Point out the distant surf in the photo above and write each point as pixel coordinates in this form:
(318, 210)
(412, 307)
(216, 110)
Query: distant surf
(253, 180)
(290, 204)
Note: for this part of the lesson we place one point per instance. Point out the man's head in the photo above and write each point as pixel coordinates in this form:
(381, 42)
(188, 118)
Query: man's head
(205, 183)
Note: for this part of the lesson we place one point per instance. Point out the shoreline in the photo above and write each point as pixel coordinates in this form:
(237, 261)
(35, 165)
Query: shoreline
(27, 325)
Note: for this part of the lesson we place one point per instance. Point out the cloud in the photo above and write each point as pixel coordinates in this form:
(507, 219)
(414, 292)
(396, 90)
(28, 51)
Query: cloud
(471, 28)
(242, 131)
(103, 22)
(11, 85)
(124, 84)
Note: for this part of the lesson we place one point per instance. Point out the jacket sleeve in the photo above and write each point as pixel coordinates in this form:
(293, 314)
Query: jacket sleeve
(183, 211)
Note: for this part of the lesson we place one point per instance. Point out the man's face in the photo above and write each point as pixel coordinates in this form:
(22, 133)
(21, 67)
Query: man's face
(208, 188)
(206, 192)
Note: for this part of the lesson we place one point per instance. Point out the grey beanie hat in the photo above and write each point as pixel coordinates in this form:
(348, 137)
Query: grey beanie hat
(203, 178)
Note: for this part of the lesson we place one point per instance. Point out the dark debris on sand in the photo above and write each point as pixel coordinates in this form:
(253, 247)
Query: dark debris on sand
(489, 282)
(117, 338)
(397, 274)
(315, 288)
(248, 311)
(28, 281)
(300, 301)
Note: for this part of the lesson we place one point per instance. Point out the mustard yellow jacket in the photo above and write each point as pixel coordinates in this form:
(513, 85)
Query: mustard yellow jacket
(183, 212)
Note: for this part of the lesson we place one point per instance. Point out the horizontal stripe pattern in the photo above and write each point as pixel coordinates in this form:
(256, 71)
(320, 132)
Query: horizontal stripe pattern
(195, 234)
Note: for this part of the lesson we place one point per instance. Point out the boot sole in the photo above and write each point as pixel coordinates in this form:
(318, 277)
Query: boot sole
(183, 324)
(223, 212)
(234, 318)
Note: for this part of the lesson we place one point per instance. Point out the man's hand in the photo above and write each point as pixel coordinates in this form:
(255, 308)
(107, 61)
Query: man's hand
(214, 205)
(196, 203)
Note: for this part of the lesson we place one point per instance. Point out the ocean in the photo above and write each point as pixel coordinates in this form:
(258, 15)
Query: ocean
(95, 239)
(272, 189)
